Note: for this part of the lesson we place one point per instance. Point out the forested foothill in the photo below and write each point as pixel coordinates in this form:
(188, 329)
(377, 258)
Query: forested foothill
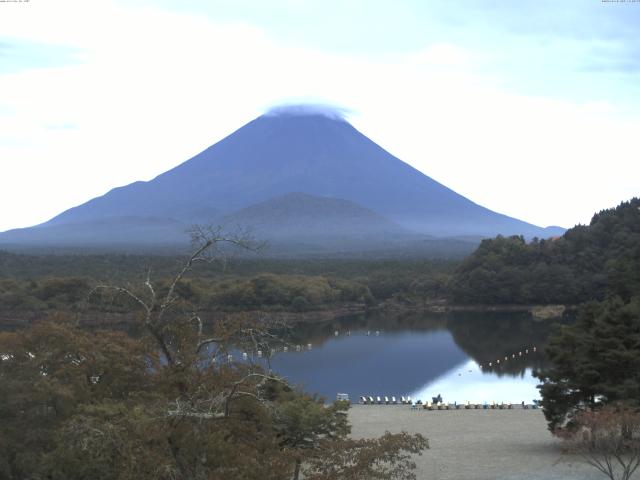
(589, 262)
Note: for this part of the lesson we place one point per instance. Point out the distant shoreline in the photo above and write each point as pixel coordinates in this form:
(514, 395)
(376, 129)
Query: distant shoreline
(20, 318)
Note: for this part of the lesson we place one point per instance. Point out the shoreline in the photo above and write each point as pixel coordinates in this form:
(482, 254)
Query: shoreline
(476, 444)
(22, 318)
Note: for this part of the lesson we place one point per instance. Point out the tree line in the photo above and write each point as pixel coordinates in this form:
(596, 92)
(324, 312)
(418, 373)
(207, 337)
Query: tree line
(589, 262)
(49, 283)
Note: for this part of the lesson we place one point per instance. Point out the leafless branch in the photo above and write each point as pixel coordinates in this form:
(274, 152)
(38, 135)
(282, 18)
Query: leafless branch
(126, 292)
(151, 289)
(208, 341)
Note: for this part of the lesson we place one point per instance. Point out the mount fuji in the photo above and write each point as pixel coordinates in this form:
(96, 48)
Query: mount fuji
(297, 176)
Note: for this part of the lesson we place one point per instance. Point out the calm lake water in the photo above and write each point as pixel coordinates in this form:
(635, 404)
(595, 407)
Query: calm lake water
(419, 355)
(422, 355)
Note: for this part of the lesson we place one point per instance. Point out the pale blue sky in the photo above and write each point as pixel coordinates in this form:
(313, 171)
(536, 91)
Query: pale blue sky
(567, 48)
(531, 108)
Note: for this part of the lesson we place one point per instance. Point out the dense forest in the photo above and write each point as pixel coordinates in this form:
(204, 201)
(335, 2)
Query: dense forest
(588, 262)
(47, 283)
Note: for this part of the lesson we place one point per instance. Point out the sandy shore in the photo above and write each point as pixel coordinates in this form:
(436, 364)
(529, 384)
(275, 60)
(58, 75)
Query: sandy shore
(476, 444)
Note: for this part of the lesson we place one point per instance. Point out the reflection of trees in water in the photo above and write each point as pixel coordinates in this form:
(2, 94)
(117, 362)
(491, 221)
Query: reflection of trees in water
(484, 336)
(489, 336)
(318, 333)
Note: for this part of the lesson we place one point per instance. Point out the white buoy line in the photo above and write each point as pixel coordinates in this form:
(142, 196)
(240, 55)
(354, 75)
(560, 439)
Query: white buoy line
(514, 356)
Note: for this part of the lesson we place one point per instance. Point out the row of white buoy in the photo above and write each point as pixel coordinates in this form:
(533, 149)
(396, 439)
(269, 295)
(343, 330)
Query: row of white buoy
(272, 352)
(514, 356)
(286, 348)
(386, 400)
(309, 346)
(376, 333)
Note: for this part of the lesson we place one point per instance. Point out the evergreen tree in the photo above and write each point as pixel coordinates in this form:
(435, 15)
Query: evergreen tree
(596, 361)
(586, 263)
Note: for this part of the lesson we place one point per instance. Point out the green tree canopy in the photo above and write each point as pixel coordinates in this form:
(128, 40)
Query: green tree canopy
(594, 361)
(586, 263)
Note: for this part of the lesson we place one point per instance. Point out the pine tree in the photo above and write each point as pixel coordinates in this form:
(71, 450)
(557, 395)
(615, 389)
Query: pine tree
(596, 361)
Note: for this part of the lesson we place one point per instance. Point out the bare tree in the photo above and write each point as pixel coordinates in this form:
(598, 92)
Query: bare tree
(608, 439)
(209, 245)
(182, 338)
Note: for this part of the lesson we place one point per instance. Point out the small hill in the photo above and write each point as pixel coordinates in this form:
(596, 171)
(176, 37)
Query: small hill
(304, 216)
(587, 263)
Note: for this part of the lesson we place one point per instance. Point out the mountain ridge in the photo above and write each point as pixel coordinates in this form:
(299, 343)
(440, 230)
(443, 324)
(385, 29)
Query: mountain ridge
(279, 154)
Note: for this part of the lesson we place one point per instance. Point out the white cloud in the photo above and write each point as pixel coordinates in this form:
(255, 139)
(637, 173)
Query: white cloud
(442, 54)
(153, 88)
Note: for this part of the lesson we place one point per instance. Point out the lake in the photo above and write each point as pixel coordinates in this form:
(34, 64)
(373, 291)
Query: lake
(422, 355)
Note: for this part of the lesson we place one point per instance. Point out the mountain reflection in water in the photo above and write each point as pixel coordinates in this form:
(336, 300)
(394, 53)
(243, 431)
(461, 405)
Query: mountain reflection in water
(421, 355)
